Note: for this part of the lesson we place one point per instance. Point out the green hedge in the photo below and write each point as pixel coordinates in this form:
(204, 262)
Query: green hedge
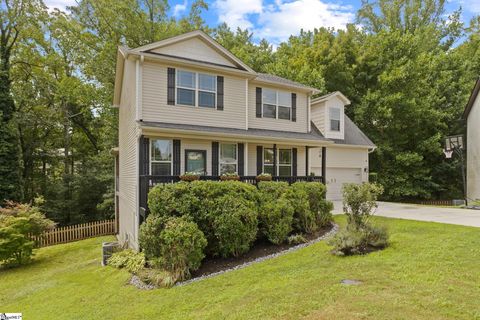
(232, 214)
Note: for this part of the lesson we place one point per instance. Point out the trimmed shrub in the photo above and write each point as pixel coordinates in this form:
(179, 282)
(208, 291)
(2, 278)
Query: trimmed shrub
(272, 189)
(129, 259)
(359, 201)
(234, 225)
(17, 222)
(276, 217)
(172, 200)
(174, 244)
(312, 211)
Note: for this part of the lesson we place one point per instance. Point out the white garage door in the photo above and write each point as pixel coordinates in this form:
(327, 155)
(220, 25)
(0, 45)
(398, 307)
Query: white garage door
(336, 177)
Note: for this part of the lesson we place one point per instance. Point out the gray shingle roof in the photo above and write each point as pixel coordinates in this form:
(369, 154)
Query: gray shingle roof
(273, 78)
(353, 135)
(313, 135)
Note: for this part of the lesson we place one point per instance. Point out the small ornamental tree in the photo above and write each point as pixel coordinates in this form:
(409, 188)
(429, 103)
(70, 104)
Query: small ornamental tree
(18, 222)
(359, 236)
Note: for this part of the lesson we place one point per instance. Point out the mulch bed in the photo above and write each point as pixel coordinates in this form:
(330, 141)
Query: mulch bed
(259, 249)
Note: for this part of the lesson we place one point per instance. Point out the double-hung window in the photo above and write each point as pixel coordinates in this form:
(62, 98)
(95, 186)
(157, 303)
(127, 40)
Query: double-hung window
(276, 104)
(268, 160)
(160, 157)
(284, 161)
(228, 158)
(334, 119)
(196, 89)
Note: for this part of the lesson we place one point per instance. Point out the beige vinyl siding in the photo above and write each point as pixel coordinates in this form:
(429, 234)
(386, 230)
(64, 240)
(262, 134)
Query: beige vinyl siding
(300, 125)
(155, 107)
(128, 178)
(252, 157)
(473, 152)
(195, 49)
(318, 116)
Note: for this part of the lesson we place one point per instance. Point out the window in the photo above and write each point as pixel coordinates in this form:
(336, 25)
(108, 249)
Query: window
(284, 161)
(334, 119)
(193, 87)
(160, 157)
(228, 158)
(268, 160)
(276, 104)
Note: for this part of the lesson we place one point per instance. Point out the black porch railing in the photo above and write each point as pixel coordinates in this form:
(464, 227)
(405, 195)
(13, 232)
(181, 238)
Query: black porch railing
(147, 182)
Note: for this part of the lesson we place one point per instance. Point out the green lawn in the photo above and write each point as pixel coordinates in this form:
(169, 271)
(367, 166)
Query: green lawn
(431, 271)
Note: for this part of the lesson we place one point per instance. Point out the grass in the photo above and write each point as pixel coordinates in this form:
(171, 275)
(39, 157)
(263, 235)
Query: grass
(430, 271)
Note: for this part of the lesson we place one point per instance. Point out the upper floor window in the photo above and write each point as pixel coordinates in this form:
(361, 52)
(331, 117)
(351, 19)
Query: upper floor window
(160, 157)
(196, 89)
(334, 119)
(228, 158)
(276, 104)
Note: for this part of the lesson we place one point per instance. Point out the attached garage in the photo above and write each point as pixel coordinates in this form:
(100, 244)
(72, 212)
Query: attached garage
(337, 177)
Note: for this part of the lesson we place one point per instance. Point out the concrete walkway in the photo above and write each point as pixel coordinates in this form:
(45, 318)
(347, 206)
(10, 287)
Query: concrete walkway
(464, 217)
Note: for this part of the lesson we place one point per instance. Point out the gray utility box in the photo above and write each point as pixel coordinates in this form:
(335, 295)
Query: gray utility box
(458, 202)
(109, 248)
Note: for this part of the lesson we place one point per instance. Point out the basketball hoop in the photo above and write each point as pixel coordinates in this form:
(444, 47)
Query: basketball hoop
(448, 153)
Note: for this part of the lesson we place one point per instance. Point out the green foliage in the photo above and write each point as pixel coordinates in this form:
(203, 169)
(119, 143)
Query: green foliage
(173, 244)
(275, 219)
(352, 240)
(312, 211)
(359, 236)
(129, 259)
(359, 201)
(157, 277)
(296, 239)
(17, 223)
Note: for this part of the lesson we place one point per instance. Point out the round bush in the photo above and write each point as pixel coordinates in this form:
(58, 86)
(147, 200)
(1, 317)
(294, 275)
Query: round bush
(276, 217)
(231, 224)
(304, 219)
(174, 244)
(170, 200)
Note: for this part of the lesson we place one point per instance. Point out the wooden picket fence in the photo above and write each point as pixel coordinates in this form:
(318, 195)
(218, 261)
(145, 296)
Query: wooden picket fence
(75, 233)
(446, 203)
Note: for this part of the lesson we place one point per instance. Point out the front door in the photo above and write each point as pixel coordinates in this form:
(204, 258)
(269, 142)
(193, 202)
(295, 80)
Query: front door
(196, 161)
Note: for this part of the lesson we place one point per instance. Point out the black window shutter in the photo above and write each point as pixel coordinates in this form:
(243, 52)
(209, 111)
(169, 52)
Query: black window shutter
(258, 100)
(215, 155)
(171, 86)
(259, 159)
(219, 93)
(294, 162)
(144, 166)
(176, 157)
(294, 107)
(241, 159)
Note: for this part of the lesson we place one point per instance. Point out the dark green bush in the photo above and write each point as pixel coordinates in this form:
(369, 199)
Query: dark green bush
(312, 211)
(173, 200)
(276, 219)
(352, 240)
(129, 259)
(272, 189)
(234, 225)
(174, 244)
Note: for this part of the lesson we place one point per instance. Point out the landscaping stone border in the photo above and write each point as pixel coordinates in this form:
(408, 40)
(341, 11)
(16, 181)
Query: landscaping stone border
(277, 254)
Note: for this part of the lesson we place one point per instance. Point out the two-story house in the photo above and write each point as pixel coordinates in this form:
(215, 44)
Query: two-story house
(186, 104)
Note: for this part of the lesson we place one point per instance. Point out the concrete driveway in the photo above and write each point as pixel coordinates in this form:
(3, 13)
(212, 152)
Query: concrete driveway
(464, 217)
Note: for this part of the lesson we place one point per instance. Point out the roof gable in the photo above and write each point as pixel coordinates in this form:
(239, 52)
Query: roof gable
(195, 45)
(336, 94)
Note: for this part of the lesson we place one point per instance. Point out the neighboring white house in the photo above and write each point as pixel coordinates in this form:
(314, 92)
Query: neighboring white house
(472, 116)
(188, 104)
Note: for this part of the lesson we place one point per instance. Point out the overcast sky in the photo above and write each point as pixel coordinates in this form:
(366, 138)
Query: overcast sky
(276, 20)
